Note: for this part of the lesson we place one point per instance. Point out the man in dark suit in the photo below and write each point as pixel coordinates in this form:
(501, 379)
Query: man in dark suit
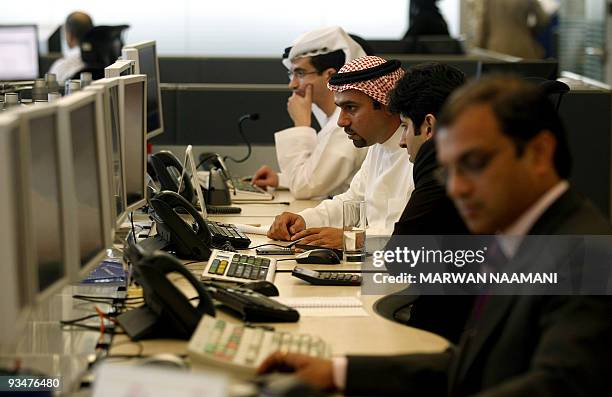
(418, 98)
(505, 161)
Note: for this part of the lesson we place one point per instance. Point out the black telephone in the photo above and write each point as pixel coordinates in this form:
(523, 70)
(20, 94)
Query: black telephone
(189, 241)
(168, 170)
(167, 312)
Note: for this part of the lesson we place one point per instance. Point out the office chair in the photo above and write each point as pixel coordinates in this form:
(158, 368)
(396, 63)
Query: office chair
(100, 47)
(554, 89)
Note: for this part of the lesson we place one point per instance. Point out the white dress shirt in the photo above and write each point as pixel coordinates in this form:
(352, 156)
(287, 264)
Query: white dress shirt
(510, 238)
(317, 165)
(384, 182)
(64, 68)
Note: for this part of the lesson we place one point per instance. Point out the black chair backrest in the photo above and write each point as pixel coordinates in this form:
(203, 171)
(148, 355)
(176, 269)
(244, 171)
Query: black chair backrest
(102, 45)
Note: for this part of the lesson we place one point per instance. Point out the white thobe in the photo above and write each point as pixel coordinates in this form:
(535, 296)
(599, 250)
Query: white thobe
(64, 68)
(384, 182)
(317, 165)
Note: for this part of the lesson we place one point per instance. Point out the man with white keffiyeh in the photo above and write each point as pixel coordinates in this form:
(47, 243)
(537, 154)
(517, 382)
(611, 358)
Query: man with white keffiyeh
(314, 164)
(384, 180)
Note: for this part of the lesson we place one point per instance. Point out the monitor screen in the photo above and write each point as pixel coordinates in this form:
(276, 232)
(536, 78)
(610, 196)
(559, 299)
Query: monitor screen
(18, 52)
(13, 284)
(86, 163)
(147, 60)
(45, 201)
(117, 161)
(134, 141)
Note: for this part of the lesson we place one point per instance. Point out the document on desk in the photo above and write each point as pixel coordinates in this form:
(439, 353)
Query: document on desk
(252, 229)
(129, 380)
(325, 306)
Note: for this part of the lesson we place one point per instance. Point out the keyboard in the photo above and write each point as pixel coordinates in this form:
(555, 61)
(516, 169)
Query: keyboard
(222, 232)
(245, 191)
(247, 186)
(237, 267)
(240, 349)
(252, 306)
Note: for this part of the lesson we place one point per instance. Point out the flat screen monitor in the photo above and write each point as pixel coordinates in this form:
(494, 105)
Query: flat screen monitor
(54, 42)
(148, 64)
(18, 52)
(545, 69)
(119, 68)
(81, 118)
(115, 153)
(14, 291)
(47, 201)
(132, 105)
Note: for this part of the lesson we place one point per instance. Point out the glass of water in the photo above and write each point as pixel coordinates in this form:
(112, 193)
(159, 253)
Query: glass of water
(354, 231)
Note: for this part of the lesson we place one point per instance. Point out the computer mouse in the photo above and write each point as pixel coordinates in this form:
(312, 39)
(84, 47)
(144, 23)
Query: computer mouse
(164, 360)
(318, 257)
(263, 287)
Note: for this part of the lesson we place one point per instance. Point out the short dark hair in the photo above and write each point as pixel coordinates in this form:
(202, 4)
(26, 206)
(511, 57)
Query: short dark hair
(333, 60)
(521, 108)
(423, 90)
(78, 24)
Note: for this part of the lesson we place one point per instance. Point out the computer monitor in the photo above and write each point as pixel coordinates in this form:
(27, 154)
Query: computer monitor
(81, 119)
(14, 291)
(148, 64)
(54, 42)
(545, 69)
(18, 52)
(49, 230)
(132, 105)
(115, 152)
(120, 68)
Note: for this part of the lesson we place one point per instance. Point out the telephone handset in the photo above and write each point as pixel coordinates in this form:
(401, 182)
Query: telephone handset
(168, 170)
(167, 312)
(209, 161)
(189, 241)
(218, 192)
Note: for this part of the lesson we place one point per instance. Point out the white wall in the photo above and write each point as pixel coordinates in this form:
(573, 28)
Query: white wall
(228, 27)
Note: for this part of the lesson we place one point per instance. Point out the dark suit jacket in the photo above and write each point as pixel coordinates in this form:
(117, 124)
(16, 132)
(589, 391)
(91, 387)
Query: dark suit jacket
(430, 212)
(520, 345)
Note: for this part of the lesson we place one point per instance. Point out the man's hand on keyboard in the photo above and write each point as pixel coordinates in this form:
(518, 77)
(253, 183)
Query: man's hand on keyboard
(286, 225)
(328, 237)
(316, 371)
(264, 177)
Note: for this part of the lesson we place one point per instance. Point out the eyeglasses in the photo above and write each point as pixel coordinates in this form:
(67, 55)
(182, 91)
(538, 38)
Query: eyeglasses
(470, 165)
(298, 73)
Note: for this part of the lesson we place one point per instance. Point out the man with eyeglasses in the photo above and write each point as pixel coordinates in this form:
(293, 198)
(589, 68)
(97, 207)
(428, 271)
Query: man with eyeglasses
(505, 161)
(314, 165)
(384, 180)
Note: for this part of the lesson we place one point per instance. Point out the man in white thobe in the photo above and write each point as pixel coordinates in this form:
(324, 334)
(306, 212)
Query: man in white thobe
(384, 180)
(314, 164)
(76, 26)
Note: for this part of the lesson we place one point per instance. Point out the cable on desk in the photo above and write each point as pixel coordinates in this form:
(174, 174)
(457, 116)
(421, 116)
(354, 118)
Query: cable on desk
(76, 320)
(102, 299)
(132, 222)
(266, 245)
(107, 331)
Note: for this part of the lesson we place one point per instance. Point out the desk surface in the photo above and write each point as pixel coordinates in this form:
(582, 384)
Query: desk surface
(369, 334)
(45, 347)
